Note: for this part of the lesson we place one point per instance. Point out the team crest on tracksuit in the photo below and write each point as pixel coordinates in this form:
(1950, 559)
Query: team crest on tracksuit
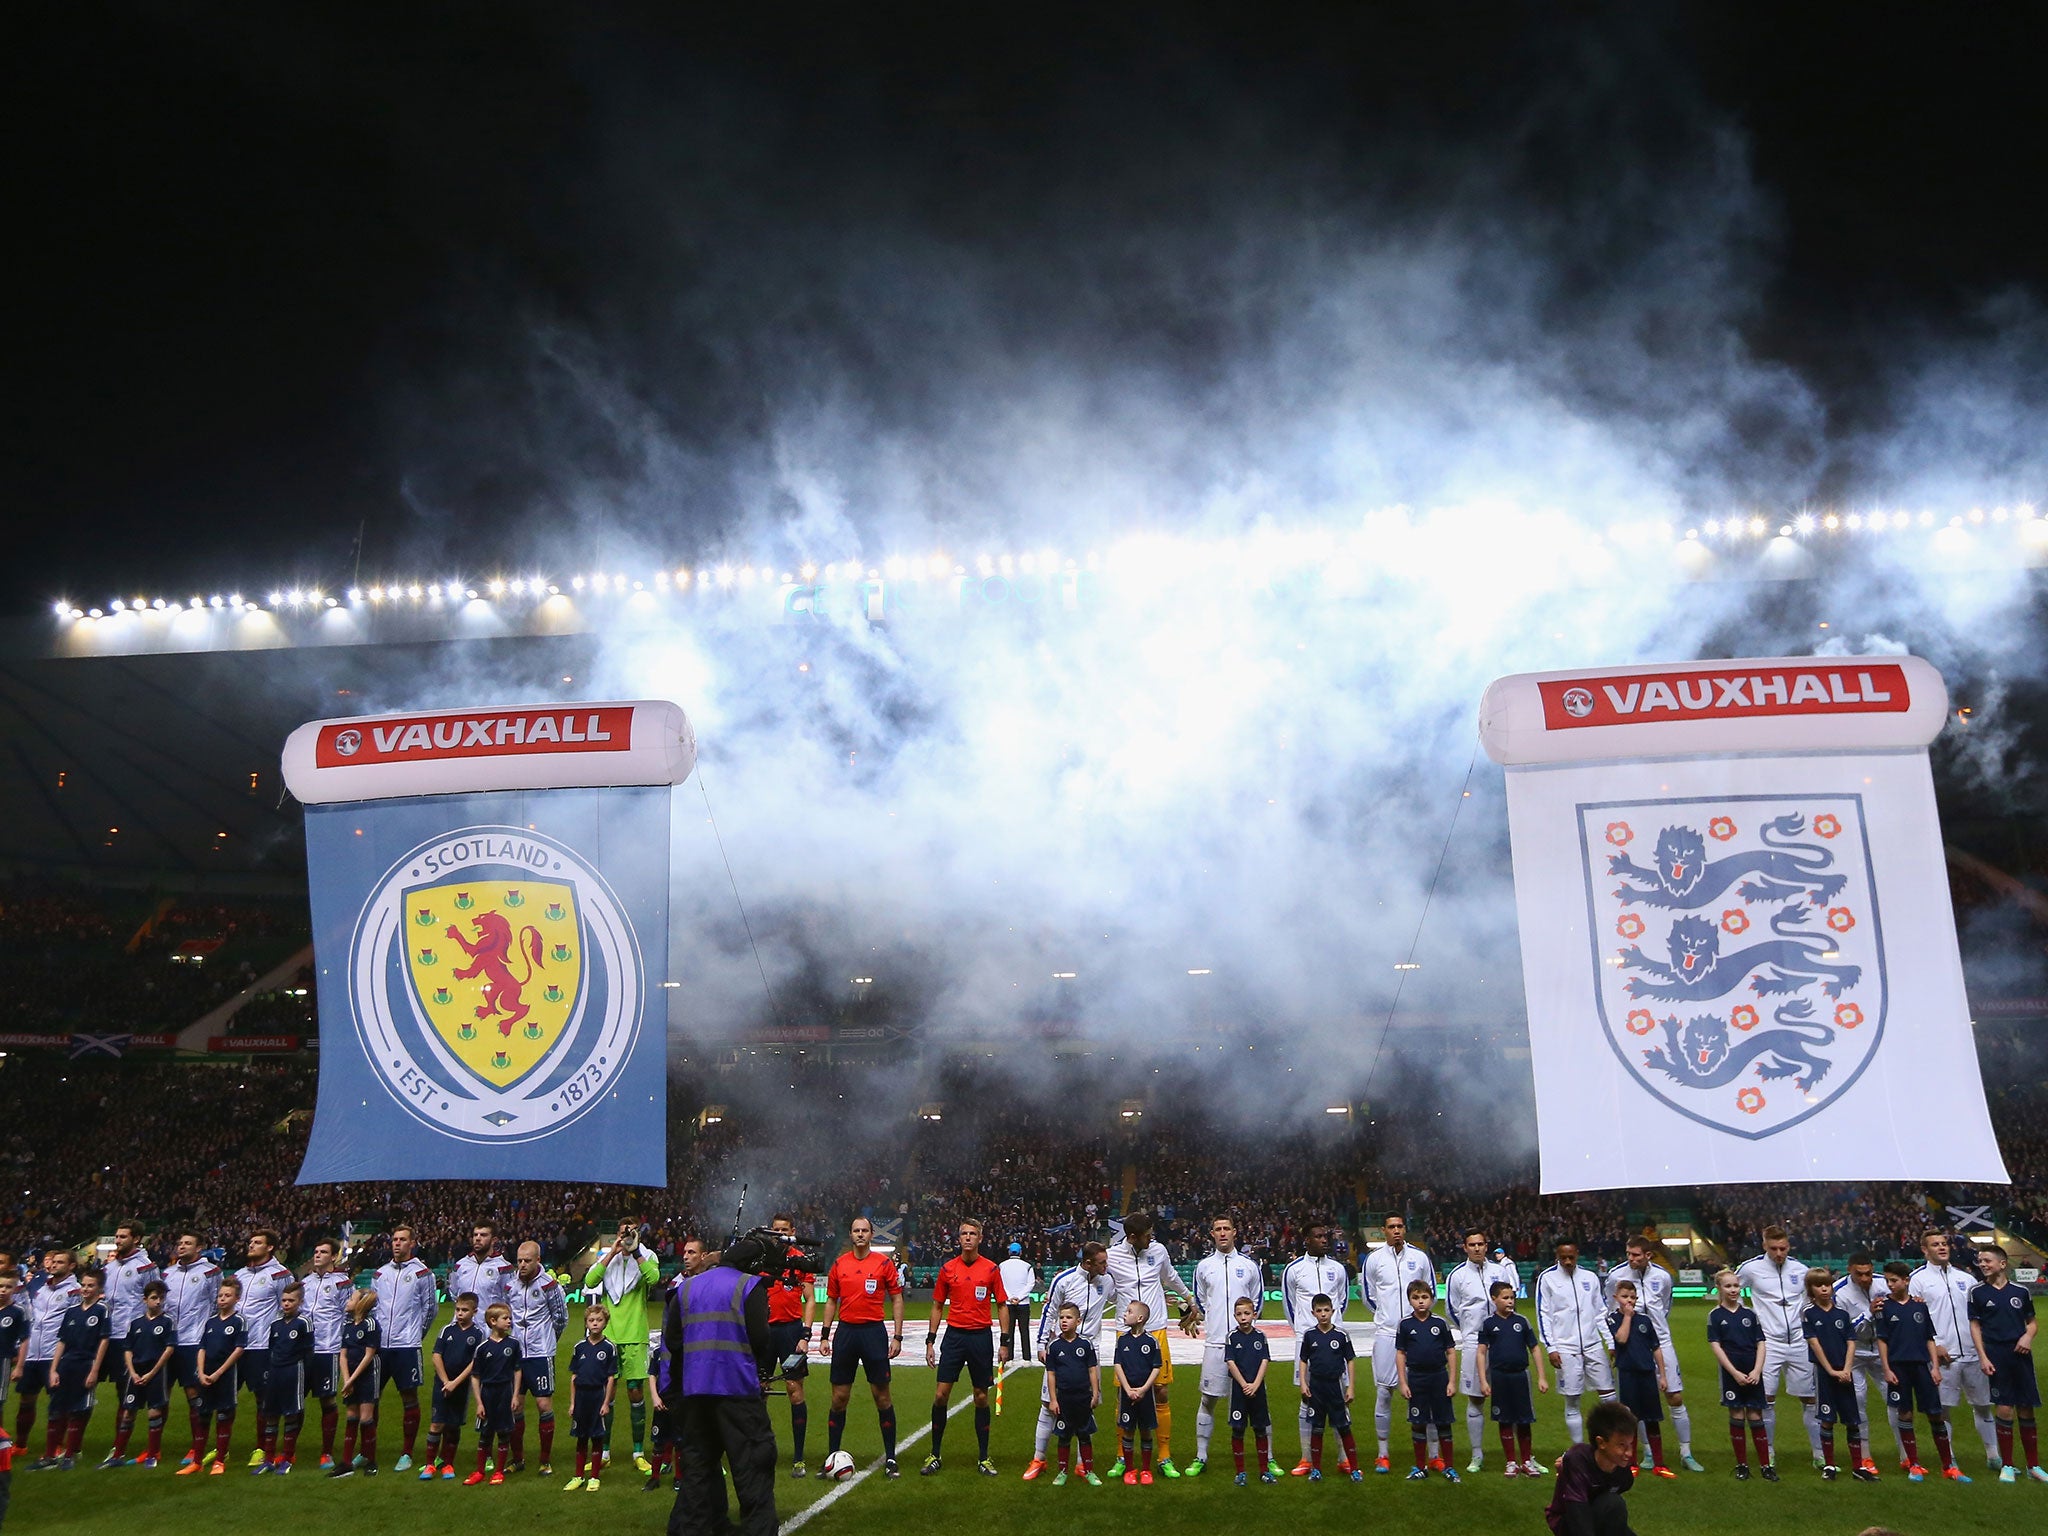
(496, 983)
(1737, 953)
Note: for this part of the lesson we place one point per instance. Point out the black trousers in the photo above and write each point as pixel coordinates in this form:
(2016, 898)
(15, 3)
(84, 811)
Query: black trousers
(736, 1429)
(1017, 1328)
(1606, 1515)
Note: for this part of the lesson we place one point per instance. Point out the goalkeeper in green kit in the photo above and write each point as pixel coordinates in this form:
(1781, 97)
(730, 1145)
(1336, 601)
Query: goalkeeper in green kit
(626, 1275)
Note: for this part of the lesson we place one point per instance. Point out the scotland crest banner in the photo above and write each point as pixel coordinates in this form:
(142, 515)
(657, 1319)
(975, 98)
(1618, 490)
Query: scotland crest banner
(491, 964)
(1738, 951)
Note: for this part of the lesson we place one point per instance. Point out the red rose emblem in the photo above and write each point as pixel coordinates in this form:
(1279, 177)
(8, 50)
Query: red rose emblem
(1750, 1100)
(1826, 826)
(1640, 1021)
(1848, 1015)
(1735, 920)
(1629, 926)
(1619, 833)
(1744, 1017)
(1721, 827)
(1841, 919)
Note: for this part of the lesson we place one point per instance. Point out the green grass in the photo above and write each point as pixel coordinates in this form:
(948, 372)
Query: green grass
(87, 1501)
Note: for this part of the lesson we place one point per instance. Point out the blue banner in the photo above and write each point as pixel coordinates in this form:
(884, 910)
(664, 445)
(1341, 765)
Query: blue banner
(490, 986)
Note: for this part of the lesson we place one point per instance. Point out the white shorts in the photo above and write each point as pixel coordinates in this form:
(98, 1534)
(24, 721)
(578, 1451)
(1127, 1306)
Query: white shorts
(1965, 1379)
(1384, 1374)
(1674, 1383)
(1216, 1372)
(1794, 1362)
(1579, 1369)
(1869, 1371)
(1468, 1370)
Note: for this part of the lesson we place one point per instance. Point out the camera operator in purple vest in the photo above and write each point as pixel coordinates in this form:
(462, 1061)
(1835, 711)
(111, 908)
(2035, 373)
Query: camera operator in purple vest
(720, 1352)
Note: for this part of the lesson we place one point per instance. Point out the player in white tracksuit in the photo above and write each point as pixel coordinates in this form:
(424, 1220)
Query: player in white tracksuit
(1468, 1297)
(1856, 1294)
(1653, 1294)
(1571, 1319)
(1314, 1274)
(1946, 1290)
(1776, 1283)
(1086, 1286)
(1383, 1286)
(1222, 1279)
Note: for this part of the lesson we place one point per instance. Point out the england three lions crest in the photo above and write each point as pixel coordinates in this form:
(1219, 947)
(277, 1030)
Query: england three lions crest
(1738, 959)
(497, 984)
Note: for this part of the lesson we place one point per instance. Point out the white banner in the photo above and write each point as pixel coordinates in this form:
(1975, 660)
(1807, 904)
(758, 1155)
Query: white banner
(1740, 965)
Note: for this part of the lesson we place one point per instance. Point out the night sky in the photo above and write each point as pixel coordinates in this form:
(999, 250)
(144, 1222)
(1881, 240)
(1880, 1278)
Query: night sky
(282, 273)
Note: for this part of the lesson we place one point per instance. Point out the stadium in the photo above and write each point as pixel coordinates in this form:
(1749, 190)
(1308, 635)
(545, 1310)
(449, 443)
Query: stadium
(1088, 840)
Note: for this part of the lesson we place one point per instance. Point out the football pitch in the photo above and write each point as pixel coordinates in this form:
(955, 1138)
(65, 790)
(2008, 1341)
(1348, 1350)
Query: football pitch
(88, 1502)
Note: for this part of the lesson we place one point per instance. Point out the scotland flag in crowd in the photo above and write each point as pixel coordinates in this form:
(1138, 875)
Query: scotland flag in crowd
(1738, 950)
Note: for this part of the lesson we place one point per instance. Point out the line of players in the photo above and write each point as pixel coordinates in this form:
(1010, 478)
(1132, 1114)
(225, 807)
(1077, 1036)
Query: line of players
(290, 1340)
(1612, 1337)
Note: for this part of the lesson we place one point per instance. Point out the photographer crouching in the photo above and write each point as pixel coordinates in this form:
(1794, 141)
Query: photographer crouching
(721, 1354)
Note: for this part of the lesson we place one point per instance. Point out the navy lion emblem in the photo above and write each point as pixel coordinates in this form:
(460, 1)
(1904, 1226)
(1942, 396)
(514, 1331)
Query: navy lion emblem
(1738, 958)
(1683, 876)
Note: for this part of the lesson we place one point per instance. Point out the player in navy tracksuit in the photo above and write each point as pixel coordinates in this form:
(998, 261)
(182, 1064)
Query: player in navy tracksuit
(454, 1352)
(2002, 1326)
(1905, 1348)
(494, 1383)
(1506, 1345)
(361, 1383)
(1324, 1375)
(78, 1363)
(282, 1402)
(1422, 1356)
(1831, 1337)
(1247, 1358)
(1639, 1368)
(662, 1450)
(593, 1378)
(1737, 1339)
(1137, 1373)
(1075, 1371)
(150, 1353)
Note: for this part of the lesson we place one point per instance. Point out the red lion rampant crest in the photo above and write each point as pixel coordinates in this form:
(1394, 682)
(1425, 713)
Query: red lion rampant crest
(491, 958)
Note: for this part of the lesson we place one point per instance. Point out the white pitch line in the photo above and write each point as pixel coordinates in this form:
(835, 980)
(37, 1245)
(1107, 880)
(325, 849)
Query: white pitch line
(841, 1490)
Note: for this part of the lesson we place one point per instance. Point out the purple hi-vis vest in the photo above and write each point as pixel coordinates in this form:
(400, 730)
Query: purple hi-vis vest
(717, 1360)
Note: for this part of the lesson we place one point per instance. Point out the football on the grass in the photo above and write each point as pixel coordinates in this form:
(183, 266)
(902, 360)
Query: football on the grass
(839, 1466)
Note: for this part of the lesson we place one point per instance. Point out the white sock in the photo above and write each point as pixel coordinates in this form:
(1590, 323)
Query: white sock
(1044, 1432)
(1681, 1424)
(1574, 1421)
(1382, 1414)
(1987, 1431)
(1205, 1426)
(1475, 1430)
(1306, 1428)
(1771, 1426)
(1810, 1412)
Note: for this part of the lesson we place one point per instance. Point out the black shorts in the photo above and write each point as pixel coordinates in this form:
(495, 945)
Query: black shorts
(1914, 1388)
(35, 1379)
(1740, 1394)
(1139, 1412)
(494, 1417)
(1638, 1393)
(219, 1399)
(1511, 1403)
(1072, 1415)
(1429, 1399)
(1838, 1402)
(2013, 1383)
(401, 1367)
(284, 1391)
(791, 1339)
(254, 1369)
(860, 1347)
(448, 1407)
(185, 1366)
(587, 1418)
(322, 1372)
(369, 1385)
(1325, 1404)
(70, 1395)
(152, 1394)
(537, 1375)
(975, 1352)
(1248, 1410)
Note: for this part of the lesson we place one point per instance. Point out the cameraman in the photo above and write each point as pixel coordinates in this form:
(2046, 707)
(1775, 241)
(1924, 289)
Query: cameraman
(791, 1302)
(716, 1333)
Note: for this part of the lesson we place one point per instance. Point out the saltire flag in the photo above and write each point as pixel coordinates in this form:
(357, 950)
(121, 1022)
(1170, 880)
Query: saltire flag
(491, 960)
(98, 1045)
(1738, 951)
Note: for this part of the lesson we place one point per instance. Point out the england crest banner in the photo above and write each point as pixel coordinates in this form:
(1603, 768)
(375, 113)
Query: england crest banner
(491, 964)
(1738, 951)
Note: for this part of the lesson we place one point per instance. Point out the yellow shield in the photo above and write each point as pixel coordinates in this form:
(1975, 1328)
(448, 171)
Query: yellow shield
(497, 969)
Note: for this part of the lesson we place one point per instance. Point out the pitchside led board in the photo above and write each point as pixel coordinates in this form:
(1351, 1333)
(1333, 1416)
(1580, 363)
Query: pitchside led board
(490, 929)
(1737, 944)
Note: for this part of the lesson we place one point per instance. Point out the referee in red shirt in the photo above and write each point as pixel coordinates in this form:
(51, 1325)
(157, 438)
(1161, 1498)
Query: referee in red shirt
(789, 1325)
(966, 1294)
(854, 1287)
